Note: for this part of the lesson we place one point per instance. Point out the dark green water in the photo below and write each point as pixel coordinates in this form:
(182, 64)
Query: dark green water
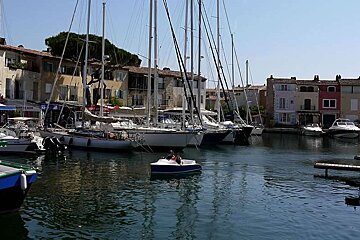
(268, 190)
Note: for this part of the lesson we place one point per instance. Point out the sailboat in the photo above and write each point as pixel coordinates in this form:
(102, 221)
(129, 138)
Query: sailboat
(155, 138)
(258, 127)
(96, 139)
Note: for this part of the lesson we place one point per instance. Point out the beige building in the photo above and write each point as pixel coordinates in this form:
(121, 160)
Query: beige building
(307, 102)
(170, 88)
(350, 99)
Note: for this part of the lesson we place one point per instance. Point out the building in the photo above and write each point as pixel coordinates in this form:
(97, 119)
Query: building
(350, 98)
(295, 102)
(170, 88)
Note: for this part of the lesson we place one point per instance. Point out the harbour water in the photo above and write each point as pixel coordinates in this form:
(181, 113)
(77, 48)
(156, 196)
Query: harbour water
(268, 190)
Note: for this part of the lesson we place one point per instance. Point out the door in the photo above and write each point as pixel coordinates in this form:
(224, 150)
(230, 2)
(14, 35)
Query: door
(328, 120)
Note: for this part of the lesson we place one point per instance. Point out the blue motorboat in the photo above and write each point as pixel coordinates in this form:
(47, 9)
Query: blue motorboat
(15, 182)
(174, 166)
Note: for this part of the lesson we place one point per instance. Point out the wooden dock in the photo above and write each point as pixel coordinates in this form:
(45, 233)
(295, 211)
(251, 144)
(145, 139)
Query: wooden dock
(346, 165)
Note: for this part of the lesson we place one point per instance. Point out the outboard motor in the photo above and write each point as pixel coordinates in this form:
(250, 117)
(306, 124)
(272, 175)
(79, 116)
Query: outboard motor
(59, 145)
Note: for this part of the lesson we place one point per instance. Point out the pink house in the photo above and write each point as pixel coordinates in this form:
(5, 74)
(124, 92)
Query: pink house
(329, 101)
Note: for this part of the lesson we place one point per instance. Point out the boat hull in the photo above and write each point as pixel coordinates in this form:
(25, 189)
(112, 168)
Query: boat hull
(348, 134)
(163, 140)
(214, 136)
(312, 133)
(12, 194)
(91, 143)
(17, 146)
(164, 166)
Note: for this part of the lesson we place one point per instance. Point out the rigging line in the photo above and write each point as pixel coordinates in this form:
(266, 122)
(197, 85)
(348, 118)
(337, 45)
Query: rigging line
(5, 24)
(218, 68)
(141, 29)
(129, 24)
(225, 58)
(227, 17)
(72, 77)
(256, 97)
(181, 64)
(61, 59)
(167, 47)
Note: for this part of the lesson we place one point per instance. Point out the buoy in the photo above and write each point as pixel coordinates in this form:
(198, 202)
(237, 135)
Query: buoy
(23, 182)
(88, 142)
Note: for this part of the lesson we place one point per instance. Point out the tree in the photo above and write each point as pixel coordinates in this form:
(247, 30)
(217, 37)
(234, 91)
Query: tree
(117, 55)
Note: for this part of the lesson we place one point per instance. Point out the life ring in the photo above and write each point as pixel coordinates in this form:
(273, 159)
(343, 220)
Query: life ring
(88, 142)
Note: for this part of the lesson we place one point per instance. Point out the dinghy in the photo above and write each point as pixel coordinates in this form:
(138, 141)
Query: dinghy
(174, 166)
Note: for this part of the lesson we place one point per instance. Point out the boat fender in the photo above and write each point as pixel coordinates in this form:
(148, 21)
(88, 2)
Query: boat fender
(71, 141)
(88, 142)
(23, 182)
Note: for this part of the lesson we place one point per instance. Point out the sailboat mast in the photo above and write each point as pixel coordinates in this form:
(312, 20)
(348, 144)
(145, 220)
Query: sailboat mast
(232, 62)
(192, 56)
(102, 64)
(185, 58)
(199, 62)
(149, 66)
(245, 88)
(84, 77)
(155, 66)
(218, 60)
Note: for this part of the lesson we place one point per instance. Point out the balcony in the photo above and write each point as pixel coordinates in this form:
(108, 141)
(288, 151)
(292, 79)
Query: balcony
(307, 107)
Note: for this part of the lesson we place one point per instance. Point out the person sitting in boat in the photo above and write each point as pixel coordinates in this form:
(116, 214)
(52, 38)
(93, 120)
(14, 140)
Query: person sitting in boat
(171, 155)
(178, 159)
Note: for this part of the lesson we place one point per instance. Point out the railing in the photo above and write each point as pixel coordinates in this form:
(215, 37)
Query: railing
(307, 107)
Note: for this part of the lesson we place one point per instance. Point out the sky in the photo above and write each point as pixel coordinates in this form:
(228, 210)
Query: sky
(283, 38)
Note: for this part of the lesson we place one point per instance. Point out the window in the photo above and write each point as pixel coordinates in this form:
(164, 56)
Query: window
(119, 94)
(356, 89)
(331, 89)
(282, 103)
(119, 76)
(107, 93)
(283, 88)
(137, 100)
(161, 83)
(48, 67)
(73, 93)
(354, 105)
(346, 89)
(284, 118)
(329, 103)
(48, 87)
(63, 93)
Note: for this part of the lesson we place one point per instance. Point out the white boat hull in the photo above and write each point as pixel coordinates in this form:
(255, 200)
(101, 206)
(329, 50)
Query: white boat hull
(86, 142)
(15, 146)
(165, 166)
(257, 131)
(163, 139)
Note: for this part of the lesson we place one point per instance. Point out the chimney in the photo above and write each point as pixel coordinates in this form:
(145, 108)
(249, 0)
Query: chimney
(2, 41)
(316, 78)
(338, 77)
(293, 78)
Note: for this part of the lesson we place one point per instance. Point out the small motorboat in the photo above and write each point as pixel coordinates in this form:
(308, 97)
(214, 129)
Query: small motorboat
(344, 128)
(15, 182)
(312, 129)
(174, 166)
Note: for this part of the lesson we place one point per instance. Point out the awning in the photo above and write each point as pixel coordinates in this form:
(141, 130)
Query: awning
(7, 107)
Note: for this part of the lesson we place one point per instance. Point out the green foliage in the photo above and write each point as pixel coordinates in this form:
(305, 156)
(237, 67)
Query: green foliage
(18, 65)
(115, 102)
(117, 55)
